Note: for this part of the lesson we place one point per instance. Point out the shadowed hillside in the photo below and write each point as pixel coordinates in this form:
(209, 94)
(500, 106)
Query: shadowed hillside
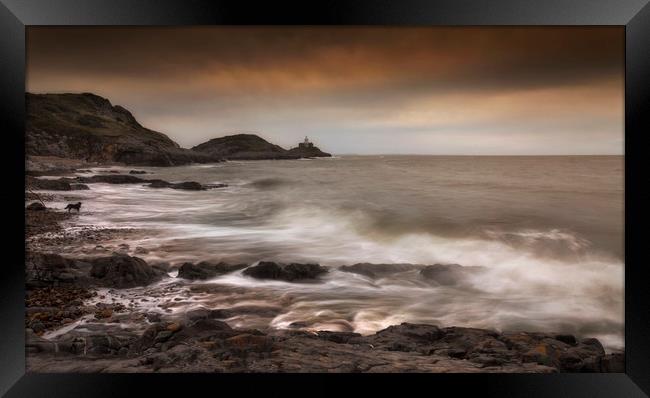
(88, 127)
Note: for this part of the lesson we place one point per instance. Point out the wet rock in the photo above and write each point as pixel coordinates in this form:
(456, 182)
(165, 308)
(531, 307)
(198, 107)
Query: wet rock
(137, 172)
(338, 337)
(286, 272)
(163, 336)
(35, 206)
(566, 338)
(50, 269)
(102, 344)
(111, 179)
(104, 313)
(377, 270)
(187, 185)
(613, 363)
(206, 270)
(246, 343)
(123, 271)
(153, 317)
(52, 307)
(447, 274)
(174, 327)
(545, 349)
(208, 325)
(203, 330)
(48, 184)
(197, 314)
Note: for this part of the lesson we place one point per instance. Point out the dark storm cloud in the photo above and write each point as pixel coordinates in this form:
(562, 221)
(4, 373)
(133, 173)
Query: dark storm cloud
(194, 83)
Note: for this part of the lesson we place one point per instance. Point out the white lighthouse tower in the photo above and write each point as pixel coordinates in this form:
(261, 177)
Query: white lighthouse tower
(306, 143)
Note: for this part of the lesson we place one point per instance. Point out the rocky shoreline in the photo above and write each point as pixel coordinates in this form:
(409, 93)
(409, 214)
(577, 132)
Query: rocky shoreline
(77, 321)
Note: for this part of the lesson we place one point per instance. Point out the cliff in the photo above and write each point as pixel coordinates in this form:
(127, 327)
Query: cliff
(88, 127)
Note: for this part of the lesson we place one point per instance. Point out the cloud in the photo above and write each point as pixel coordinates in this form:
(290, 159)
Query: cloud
(442, 90)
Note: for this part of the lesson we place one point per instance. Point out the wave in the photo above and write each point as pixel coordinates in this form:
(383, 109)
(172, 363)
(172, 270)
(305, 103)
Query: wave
(537, 279)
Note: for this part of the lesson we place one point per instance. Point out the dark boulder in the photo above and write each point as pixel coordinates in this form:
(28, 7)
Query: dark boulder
(286, 272)
(123, 271)
(50, 269)
(206, 270)
(137, 172)
(35, 206)
(567, 338)
(188, 185)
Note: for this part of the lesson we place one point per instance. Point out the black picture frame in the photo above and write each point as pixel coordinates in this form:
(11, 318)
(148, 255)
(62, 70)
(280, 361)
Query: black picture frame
(16, 15)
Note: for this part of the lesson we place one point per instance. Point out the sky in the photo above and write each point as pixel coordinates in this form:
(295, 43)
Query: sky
(353, 90)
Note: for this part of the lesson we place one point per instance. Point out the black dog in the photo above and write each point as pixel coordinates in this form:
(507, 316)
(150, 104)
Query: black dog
(74, 206)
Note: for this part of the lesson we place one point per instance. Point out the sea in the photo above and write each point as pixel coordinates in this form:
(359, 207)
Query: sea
(547, 232)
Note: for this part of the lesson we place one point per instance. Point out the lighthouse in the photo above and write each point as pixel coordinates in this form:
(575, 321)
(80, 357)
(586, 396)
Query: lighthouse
(306, 144)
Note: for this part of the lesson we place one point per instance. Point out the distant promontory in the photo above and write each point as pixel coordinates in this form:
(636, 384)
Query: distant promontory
(253, 147)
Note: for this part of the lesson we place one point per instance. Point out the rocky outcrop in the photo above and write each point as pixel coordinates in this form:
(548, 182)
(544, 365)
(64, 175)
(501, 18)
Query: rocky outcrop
(88, 127)
(205, 344)
(123, 271)
(252, 147)
(206, 270)
(285, 272)
(52, 270)
(117, 271)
